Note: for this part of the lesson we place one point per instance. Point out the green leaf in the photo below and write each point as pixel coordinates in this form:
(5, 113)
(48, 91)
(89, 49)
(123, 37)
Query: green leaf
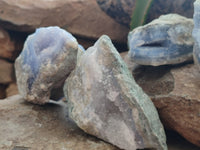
(140, 12)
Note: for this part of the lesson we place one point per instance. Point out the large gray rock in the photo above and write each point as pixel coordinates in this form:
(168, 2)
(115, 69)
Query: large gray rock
(196, 32)
(49, 55)
(166, 40)
(105, 101)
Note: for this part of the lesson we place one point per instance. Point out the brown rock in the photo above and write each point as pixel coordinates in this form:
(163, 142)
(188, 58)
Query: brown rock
(6, 72)
(10, 44)
(27, 126)
(2, 91)
(12, 89)
(175, 93)
(7, 46)
(83, 18)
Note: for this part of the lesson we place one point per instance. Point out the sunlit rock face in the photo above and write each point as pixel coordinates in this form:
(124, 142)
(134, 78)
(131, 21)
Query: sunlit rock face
(48, 56)
(196, 32)
(166, 40)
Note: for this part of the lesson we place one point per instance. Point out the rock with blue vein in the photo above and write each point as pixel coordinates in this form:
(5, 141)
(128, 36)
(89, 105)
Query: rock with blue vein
(166, 40)
(48, 57)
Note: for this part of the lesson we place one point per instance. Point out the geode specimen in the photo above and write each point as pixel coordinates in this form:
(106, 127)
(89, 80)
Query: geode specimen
(166, 40)
(48, 56)
(105, 101)
(196, 32)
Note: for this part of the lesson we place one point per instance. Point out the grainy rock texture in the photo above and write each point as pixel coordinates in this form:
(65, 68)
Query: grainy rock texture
(24, 126)
(49, 55)
(175, 93)
(83, 18)
(196, 32)
(105, 101)
(166, 40)
(6, 72)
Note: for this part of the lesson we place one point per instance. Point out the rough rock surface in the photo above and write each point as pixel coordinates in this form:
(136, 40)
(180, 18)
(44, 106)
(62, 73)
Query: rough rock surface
(196, 32)
(166, 40)
(175, 93)
(49, 55)
(6, 72)
(24, 126)
(105, 101)
(159, 7)
(31, 127)
(84, 18)
(122, 10)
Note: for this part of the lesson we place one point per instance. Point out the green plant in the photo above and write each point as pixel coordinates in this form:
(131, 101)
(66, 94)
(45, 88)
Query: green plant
(140, 12)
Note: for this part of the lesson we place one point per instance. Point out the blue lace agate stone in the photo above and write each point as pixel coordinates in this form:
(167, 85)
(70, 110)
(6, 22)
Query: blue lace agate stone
(48, 57)
(166, 40)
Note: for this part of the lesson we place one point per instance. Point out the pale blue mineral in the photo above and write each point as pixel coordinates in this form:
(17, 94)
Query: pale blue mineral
(196, 32)
(166, 40)
(48, 57)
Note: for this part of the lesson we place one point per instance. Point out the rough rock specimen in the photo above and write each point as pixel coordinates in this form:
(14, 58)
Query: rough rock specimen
(196, 32)
(6, 72)
(84, 18)
(49, 55)
(166, 40)
(105, 101)
(32, 127)
(175, 93)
